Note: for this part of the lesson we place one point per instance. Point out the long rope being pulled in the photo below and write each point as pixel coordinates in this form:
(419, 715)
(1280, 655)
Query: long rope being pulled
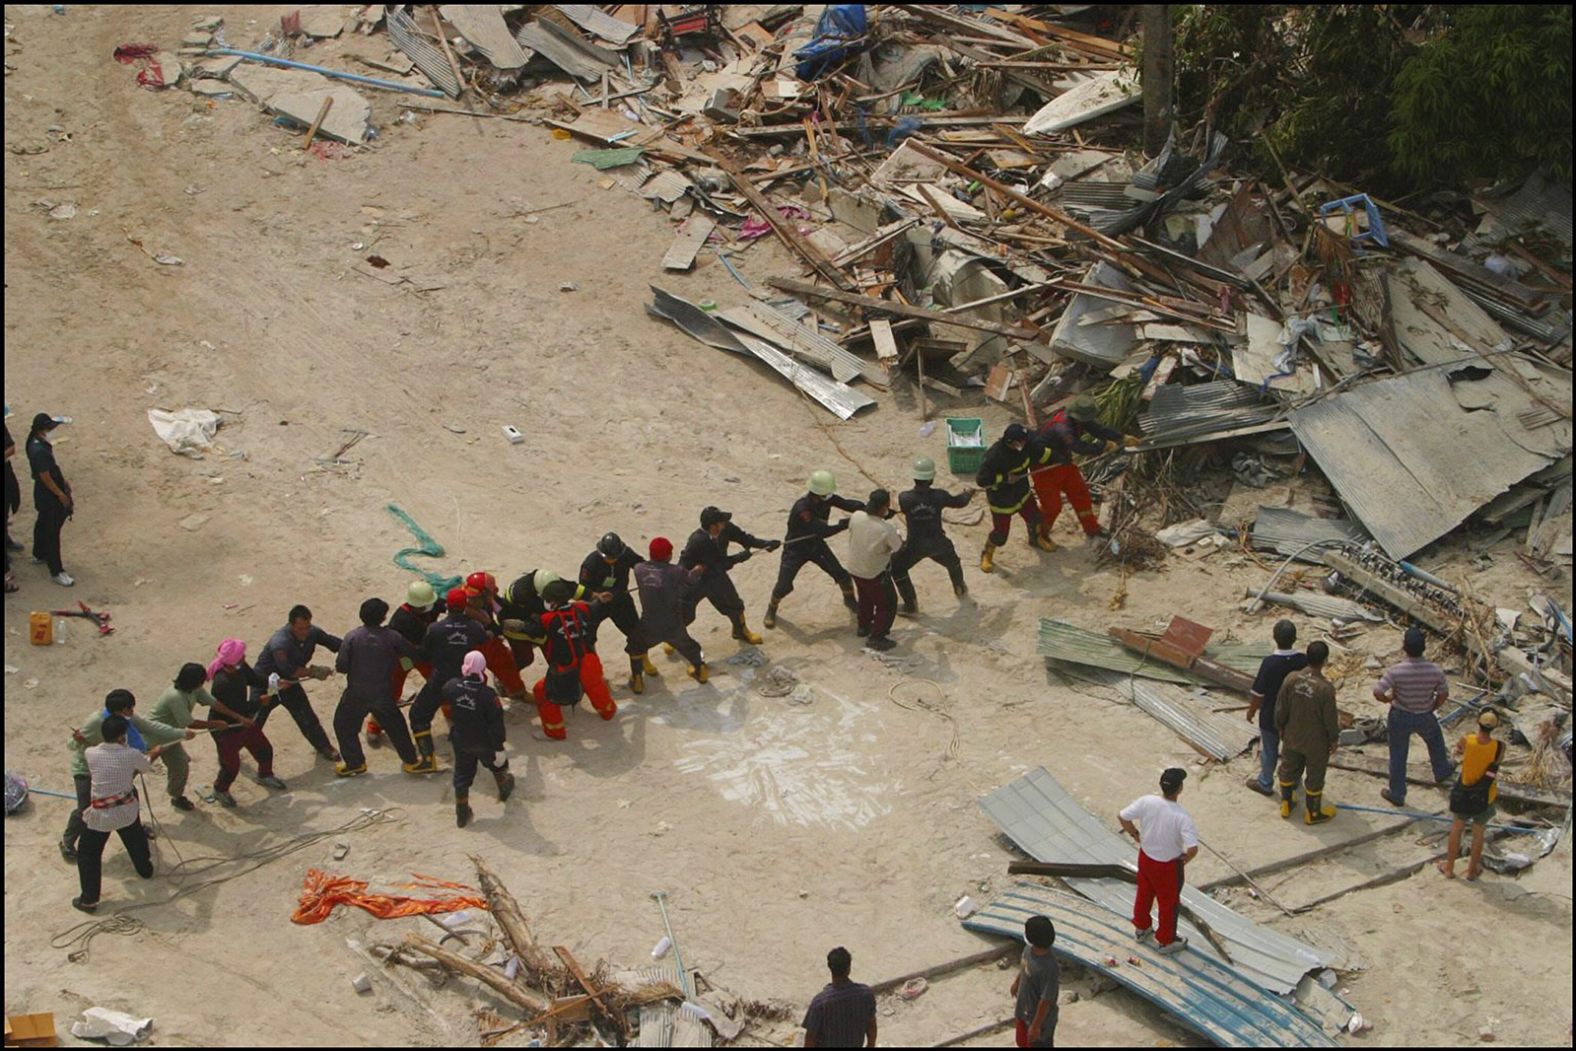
(80, 937)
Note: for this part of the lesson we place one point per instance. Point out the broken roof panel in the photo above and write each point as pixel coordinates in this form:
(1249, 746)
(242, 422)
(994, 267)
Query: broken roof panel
(1203, 408)
(1050, 825)
(1105, 346)
(1071, 644)
(1284, 531)
(1206, 997)
(599, 23)
(579, 58)
(1413, 456)
(423, 52)
(483, 26)
(1094, 97)
(1434, 320)
(1217, 734)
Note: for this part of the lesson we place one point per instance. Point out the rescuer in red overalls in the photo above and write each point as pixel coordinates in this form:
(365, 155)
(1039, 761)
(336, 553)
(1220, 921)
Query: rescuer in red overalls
(485, 607)
(573, 668)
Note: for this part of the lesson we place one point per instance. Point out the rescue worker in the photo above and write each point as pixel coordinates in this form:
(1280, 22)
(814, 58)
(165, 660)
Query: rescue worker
(446, 644)
(415, 615)
(1310, 731)
(368, 659)
(921, 508)
(520, 613)
(808, 530)
(573, 668)
(1073, 429)
(1004, 475)
(289, 653)
(707, 548)
(605, 573)
(662, 589)
(486, 608)
(477, 734)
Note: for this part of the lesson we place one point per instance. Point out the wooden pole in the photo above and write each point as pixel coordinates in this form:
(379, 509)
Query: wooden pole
(454, 63)
(311, 133)
(519, 995)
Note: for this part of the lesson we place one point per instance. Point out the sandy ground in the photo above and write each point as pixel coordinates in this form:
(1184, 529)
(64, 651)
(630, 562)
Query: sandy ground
(777, 829)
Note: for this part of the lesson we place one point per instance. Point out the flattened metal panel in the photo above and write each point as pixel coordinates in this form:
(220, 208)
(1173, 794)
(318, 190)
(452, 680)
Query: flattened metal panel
(1062, 641)
(1050, 825)
(1411, 464)
(1217, 734)
(1284, 531)
(1204, 407)
(1206, 997)
(599, 23)
(428, 59)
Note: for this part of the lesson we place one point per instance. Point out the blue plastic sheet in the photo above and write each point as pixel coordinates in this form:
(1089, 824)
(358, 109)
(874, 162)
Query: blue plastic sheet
(838, 25)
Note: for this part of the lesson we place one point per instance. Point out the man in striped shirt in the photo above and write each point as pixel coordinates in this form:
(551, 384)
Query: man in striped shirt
(112, 807)
(1414, 689)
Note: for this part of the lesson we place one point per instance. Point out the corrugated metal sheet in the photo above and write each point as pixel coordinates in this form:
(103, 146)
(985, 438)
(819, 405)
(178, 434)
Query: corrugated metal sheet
(1050, 825)
(579, 58)
(1411, 463)
(768, 323)
(1284, 531)
(1203, 408)
(1540, 203)
(1062, 641)
(1204, 996)
(1219, 735)
(420, 50)
(838, 398)
(599, 23)
(482, 25)
(1105, 346)
(1316, 604)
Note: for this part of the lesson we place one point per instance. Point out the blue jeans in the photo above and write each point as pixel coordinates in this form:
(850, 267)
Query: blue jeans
(1269, 755)
(1402, 725)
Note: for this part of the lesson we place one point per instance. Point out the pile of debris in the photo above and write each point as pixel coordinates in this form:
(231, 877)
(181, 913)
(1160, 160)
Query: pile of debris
(561, 1004)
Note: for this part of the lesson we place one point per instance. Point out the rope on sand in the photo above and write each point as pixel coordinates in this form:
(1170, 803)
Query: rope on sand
(427, 547)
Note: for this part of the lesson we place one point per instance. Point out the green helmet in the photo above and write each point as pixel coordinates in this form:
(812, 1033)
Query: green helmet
(420, 595)
(924, 469)
(544, 579)
(822, 483)
(1083, 409)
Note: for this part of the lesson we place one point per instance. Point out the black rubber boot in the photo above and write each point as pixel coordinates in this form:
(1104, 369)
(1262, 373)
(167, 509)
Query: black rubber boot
(505, 781)
(462, 811)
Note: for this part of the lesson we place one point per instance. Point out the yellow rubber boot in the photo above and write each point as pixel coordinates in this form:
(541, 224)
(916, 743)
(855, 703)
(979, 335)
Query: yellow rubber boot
(988, 558)
(1042, 538)
(1288, 790)
(699, 672)
(742, 632)
(1317, 812)
(646, 665)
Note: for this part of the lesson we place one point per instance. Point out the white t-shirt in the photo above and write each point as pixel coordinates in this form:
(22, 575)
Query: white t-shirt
(871, 544)
(1165, 831)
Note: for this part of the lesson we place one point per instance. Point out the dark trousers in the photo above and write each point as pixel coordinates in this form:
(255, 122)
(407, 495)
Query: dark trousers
(229, 744)
(426, 705)
(621, 611)
(1400, 726)
(877, 604)
(465, 764)
(90, 857)
(937, 549)
(294, 700)
(1001, 522)
(74, 825)
(717, 588)
(797, 555)
(46, 531)
(347, 727)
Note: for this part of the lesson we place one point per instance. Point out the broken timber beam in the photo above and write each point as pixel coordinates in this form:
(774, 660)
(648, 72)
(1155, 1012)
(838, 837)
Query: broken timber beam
(574, 968)
(511, 919)
(1167, 653)
(1007, 191)
(519, 995)
(804, 288)
(781, 227)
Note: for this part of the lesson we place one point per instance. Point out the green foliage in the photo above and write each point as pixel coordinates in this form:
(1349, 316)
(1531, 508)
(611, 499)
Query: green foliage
(1490, 97)
(1393, 98)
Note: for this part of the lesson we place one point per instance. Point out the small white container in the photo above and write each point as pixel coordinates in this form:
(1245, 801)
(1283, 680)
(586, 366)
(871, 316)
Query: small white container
(512, 433)
(660, 950)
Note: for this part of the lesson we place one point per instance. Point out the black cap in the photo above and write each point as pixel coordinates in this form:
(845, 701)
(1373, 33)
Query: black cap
(711, 516)
(558, 591)
(1172, 778)
(1016, 432)
(44, 422)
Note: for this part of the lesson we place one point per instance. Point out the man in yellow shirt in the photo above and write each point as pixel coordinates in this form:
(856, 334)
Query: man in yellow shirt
(1480, 755)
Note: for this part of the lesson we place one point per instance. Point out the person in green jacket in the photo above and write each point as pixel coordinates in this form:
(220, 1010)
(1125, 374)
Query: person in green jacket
(177, 707)
(142, 735)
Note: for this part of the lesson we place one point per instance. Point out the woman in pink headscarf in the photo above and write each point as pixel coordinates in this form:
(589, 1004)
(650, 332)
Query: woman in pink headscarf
(477, 733)
(230, 676)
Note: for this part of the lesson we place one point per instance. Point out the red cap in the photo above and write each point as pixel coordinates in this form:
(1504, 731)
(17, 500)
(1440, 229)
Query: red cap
(458, 598)
(661, 549)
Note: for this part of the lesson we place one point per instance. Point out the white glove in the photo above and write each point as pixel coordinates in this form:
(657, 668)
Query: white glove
(499, 758)
(273, 682)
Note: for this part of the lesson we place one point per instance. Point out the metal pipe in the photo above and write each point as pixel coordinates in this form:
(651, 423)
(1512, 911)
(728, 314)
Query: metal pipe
(678, 960)
(1420, 816)
(386, 85)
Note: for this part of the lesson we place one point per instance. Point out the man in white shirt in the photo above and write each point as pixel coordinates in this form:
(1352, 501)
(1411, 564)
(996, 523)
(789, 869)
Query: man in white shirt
(872, 541)
(1167, 841)
(112, 807)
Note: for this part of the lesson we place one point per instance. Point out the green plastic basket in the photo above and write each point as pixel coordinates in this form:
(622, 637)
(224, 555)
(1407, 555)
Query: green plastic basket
(965, 459)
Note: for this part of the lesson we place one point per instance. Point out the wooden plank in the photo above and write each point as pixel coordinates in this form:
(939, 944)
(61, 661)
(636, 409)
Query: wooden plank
(900, 309)
(691, 238)
(885, 342)
(574, 968)
(784, 230)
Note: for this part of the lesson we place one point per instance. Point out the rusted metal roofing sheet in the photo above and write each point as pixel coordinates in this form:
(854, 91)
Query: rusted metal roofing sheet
(1207, 997)
(1050, 825)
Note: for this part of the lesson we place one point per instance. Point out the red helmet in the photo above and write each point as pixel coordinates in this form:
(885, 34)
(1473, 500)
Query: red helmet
(457, 599)
(482, 583)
